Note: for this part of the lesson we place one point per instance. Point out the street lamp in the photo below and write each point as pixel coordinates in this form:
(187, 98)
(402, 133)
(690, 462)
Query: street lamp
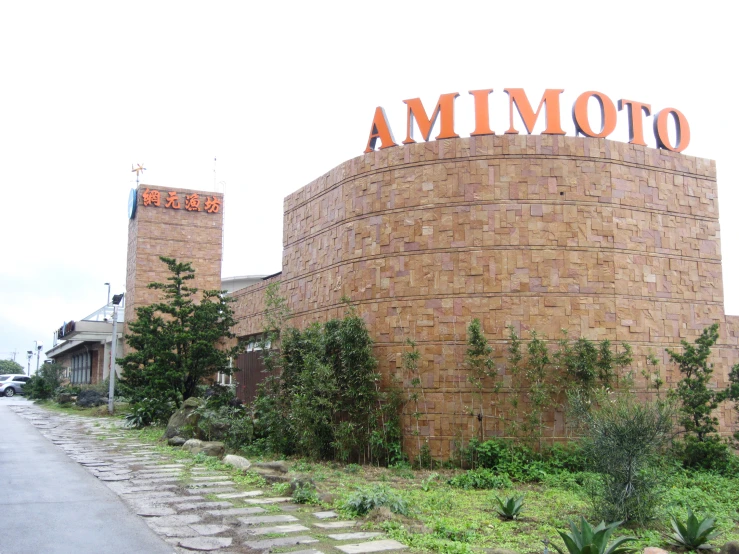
(117, 299)
(30, 355)
(108, 303)
(39, 346)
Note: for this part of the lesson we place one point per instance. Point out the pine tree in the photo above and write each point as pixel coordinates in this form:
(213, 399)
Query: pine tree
(177, 342)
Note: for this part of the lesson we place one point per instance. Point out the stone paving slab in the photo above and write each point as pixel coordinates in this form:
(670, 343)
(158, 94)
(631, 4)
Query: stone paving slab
(354, 536)
(240, 494)
(174, 521)
(275, 500)
(305, 552)
(149, 511)
(372, 546)
(210, 529)
(285, 541)
(206, 544)
(236, 511)
(258, 520)
(325, 515)
(335, 524)
(210, 491)
(211, 484)
(278, 529)
(186, 506)
(180, 531)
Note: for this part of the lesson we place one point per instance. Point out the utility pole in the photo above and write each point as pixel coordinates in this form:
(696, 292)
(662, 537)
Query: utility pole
(30, 355)
(117, 299)
(39, 346)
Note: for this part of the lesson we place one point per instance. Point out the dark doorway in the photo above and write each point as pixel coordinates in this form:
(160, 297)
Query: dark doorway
(249, 373)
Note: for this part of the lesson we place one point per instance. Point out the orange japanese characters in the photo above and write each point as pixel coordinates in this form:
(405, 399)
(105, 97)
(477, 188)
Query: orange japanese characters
(212, 205)
(151, 197)
(173, 201)
(192, 202)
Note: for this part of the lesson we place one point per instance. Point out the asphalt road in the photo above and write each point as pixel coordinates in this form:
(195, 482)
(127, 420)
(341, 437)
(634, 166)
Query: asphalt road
(50, 505)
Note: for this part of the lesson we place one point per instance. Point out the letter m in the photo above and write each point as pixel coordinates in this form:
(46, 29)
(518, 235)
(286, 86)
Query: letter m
(417, 114)
(550, 100)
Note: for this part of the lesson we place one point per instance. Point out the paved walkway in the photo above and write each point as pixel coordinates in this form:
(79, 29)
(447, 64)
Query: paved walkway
(50, 504)
(191, 507)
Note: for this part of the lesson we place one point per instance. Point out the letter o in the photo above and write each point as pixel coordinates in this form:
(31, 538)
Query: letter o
(607, 114)
(682, 130)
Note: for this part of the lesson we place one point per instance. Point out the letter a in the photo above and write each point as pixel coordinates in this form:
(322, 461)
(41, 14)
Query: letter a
(380, 130)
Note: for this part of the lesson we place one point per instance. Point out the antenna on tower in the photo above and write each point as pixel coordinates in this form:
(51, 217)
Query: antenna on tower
(137, 170)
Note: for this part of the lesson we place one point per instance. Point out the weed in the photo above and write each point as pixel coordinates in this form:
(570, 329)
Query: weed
(367, 499)
(480, 479)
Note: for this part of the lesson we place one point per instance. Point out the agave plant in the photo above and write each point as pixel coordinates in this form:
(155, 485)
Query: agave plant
(589, 540)
(695, 534)
(510, 508)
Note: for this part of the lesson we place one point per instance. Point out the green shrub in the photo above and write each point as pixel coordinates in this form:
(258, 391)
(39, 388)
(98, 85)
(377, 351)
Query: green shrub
(589, 540)
(365, 500)
(480, 479)
(45, 383)
(623, 442)
(149, 411)
(712, 454)
(305, 493)
(693, 534)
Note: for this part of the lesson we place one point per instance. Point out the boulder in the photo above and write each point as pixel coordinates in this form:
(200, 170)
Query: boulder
(182, 418)
(277, 467)
(731, 547)
(176, 441)
(209, 448)
(237, 461)
(91, 399)
(64, 398)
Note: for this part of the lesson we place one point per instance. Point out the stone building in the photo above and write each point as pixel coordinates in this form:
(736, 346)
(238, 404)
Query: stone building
(604, 239)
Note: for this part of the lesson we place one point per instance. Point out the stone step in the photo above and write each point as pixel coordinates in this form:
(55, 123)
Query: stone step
(206, 543)
(274, 500)
(354, 536)
(258, 520)
(278, 529)
(335, 524)
(240, 494)
(236, 511)
(372, 546)
(325, 515)
(285, 541)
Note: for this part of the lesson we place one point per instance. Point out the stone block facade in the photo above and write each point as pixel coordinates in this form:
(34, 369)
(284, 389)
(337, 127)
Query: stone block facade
(194, 235)
(604, 239)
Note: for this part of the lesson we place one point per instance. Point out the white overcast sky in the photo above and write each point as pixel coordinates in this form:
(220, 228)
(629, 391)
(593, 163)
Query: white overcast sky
(280, 93)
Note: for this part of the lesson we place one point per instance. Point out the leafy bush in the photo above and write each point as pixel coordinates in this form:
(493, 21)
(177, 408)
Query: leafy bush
(589, 540)
(693, 534)
(712, 454)
(511, 508)
(305, 493)
(480, 479)
(149, 411)
(365, 500)
(44, 384)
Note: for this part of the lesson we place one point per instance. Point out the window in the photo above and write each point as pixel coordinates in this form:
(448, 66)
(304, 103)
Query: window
(81, 368)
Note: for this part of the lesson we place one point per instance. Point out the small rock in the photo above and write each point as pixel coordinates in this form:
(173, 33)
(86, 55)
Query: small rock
(176, 441)
(731, 547)
(280, 467)
(237, 461)
(214, 448)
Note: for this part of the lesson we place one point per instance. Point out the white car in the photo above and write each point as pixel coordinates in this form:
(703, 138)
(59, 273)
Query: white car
(12, 384)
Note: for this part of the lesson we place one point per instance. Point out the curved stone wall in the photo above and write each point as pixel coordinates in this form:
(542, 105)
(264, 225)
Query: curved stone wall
(607, 240)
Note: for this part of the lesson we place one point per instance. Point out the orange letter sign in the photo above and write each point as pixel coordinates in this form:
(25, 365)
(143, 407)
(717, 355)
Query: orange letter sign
(682, 130)
(482, 112)
(607, 115)
(550, 100)
(416, 112)
(380, 130)
(636, 123)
